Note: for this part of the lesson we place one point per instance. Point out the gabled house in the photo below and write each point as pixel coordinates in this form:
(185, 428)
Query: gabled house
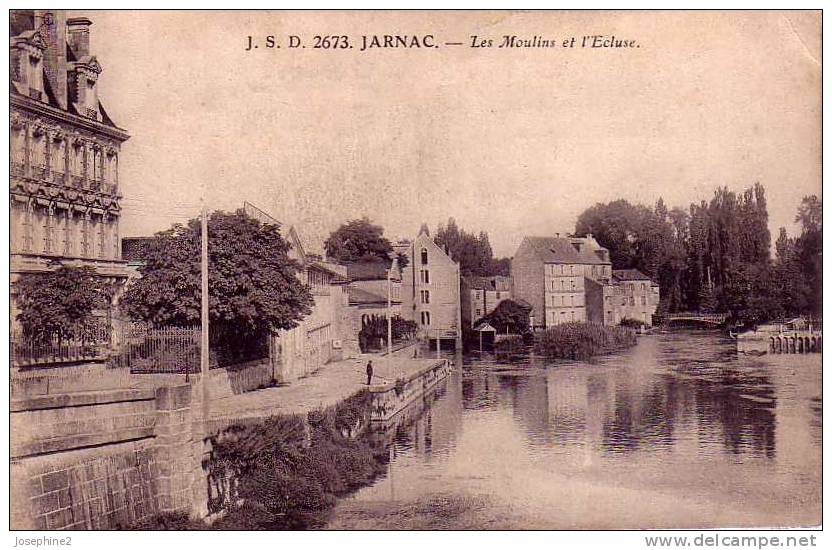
(431, 291)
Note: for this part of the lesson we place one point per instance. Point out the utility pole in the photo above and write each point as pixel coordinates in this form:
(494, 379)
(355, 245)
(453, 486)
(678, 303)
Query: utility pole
(393, 266)
(204, 317)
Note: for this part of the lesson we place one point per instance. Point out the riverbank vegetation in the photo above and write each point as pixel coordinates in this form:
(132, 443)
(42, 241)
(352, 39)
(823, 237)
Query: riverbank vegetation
(287, 471)
(715, 256)
(582, 340)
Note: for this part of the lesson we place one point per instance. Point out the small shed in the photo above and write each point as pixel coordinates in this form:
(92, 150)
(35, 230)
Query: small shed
(486, 334)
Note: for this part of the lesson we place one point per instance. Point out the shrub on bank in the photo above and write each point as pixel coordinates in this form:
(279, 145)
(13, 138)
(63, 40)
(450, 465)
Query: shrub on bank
(513, 342)
(289, 470)
(582, 340)
(169, 521)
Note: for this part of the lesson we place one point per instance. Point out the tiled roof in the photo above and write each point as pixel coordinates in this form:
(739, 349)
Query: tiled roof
(629, 275)
(368, 271)
(560, 250)
(360, 296)
(496, 282)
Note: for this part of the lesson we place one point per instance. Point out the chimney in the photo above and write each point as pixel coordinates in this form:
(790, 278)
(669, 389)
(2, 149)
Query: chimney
(78, 35)
(52, 27)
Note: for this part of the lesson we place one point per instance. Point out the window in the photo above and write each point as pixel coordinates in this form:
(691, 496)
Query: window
(632, 301)
(478, 295)
(85, 237)
(67, 240)
(101, 240)
(425, 276)
(424, 256)
(498, 294)
(426, 318)
(35, 77)
(644, 300)
(425, 296)
(643, 286)
(479, 313)
(48, 233)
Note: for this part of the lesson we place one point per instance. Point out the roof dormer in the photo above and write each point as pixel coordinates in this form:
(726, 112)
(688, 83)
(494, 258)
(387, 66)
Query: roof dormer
(27, 64)
(83, 80)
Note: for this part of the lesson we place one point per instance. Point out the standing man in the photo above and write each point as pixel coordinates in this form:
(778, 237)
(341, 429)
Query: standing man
(369, 372)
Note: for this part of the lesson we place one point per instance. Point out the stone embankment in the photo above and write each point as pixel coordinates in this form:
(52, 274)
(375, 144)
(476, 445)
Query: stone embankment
(111, 449)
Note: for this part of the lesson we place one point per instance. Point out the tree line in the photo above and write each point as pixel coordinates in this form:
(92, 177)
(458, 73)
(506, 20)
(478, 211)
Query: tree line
(716, 255)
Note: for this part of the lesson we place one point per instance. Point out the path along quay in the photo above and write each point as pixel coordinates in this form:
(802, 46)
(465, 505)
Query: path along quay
(397, 381)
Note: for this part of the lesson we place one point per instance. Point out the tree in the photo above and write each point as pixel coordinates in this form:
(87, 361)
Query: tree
(60, 303)
(508, 315)
(800, 261)
(642, 238)
(615, 226)
(358, 241)
(501, 266)
(810, 214)
(253, 287)
(473, 252)
(694, 256)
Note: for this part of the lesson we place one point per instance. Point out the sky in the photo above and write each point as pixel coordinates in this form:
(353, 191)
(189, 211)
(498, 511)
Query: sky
(513, 142)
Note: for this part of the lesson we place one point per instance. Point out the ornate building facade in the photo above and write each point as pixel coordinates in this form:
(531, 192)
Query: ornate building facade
(64, 185)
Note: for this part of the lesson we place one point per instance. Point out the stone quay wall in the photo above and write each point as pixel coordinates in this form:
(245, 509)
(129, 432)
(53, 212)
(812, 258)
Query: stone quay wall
(104, 459)
(391, 398)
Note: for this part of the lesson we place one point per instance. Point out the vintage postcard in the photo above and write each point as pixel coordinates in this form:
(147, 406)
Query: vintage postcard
(424, 270)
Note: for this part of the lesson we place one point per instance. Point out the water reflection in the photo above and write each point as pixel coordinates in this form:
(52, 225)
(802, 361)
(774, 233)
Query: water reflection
(729, 440)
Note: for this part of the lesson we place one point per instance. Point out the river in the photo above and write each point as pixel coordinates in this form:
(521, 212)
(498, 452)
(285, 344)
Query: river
(677, 432)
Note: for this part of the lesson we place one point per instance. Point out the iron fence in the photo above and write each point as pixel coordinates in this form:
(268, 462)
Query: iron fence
(148, 350)
(90, 344)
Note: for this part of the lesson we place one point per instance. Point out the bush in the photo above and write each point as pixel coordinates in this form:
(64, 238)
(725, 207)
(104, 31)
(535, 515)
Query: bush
(60, 304)
(582, 340)
(514, 342)
(632, 323)
(290, 470)
(168, 521)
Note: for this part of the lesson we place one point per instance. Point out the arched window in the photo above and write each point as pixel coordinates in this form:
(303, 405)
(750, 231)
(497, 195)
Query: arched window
(424, 256)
